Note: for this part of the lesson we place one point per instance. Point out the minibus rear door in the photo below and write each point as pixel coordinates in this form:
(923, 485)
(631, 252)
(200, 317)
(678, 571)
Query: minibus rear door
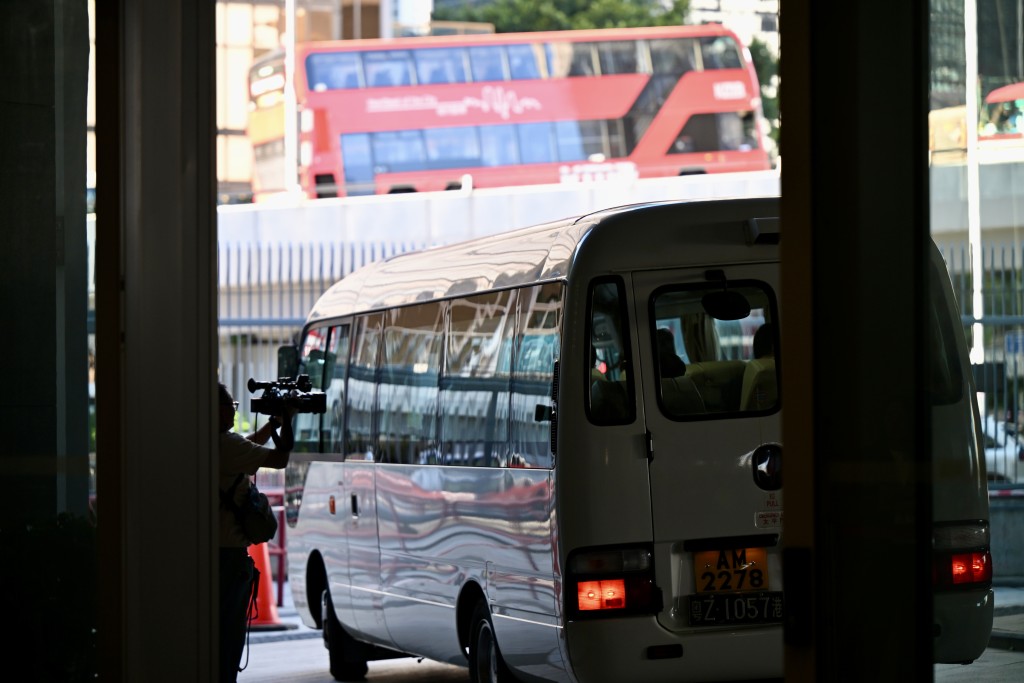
(714, 445)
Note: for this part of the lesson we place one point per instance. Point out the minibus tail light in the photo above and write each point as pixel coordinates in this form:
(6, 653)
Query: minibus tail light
(971, 568)
(961, 558)
(594, 595)
(611, 582)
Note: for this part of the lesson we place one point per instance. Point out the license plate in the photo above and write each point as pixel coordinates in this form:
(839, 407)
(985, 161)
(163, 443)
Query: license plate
(731, 571)
(719, 609)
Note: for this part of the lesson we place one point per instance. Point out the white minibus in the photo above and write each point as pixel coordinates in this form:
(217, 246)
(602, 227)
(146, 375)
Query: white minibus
(555, 454)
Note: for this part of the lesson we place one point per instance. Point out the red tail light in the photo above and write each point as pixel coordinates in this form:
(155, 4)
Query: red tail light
(971, 568)
(601, 594)
(962, 558)
(611, 582)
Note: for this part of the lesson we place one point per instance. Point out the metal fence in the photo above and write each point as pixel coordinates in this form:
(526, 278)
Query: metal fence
(999, 379)
(266, 291)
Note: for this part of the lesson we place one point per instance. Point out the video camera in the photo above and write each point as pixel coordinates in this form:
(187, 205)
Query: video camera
(287, 393)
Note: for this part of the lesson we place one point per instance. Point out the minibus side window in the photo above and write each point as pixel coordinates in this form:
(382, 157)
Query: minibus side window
(407, 393)
(609, 376)
(946, 380)
(334, 387)
(715, 349)
(362, 385)
(311, 362)
(475, 386)
(539, 341)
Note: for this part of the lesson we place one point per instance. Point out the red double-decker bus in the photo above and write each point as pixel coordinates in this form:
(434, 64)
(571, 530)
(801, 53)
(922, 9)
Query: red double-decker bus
(436, 112)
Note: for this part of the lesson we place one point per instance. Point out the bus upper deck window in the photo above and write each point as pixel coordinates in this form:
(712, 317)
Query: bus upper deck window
(488, 63)
(522, 62)
(672, 57)
(720, 52)
(618, 57)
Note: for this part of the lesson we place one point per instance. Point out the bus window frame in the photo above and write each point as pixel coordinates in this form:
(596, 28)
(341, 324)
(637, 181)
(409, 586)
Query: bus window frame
(772, 310)
(625, 336)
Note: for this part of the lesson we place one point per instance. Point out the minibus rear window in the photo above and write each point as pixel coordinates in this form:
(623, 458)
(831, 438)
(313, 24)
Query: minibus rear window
(715, 349)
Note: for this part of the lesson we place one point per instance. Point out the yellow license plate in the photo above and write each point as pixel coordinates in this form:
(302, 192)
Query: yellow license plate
(739, 569)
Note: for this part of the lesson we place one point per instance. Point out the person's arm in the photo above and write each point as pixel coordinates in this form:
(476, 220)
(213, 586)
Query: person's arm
(283, 443)
(264, 433)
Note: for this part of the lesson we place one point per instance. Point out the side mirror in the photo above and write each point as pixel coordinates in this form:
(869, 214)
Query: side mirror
(287, 361)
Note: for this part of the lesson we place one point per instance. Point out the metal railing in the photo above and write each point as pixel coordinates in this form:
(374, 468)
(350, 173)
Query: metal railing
(1000, 379)
(266, 291)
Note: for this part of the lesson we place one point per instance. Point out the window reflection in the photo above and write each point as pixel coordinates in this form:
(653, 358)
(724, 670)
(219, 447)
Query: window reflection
(408, 391)
(475, 387)
(540, 314)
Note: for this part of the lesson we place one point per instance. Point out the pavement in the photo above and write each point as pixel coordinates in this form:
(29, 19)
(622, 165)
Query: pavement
(1007, 626)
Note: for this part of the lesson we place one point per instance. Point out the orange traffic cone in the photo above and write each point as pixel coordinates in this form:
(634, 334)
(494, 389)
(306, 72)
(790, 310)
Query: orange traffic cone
(264, 616)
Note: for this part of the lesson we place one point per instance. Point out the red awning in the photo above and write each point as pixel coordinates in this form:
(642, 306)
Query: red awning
(1007, 93)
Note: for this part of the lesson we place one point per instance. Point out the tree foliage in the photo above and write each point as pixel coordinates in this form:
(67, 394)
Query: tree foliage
(557, 15)
(767, 67)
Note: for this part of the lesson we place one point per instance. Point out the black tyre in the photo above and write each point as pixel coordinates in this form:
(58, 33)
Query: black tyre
(342, 649)
(485, 662)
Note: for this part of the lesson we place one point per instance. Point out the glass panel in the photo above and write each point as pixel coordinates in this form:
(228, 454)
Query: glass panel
(672, 57)
(945, 378)
(400, 150)
(498, 145)
(582, 63)
(570, 142)
(475, 387)
(536, 144)
(362, 388)
(618, 57)
(522, 62)
(334, 70)
(540, 314)
(334, 376)
(1003, 117)
(387, 68)
(311, 362)
(610, 379)
(716, 132)
(357, 160)
(593, 137)
(720, 52)
(488, 63)
(571, 59)
(708, 364)
(452, 147)
(442, 65)
(616, 138)
(408, 391)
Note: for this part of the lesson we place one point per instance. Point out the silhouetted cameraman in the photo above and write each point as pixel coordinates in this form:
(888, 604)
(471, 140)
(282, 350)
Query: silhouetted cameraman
(239, 458)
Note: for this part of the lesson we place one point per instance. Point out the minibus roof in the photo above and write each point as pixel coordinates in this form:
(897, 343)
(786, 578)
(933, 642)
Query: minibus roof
(541, 253)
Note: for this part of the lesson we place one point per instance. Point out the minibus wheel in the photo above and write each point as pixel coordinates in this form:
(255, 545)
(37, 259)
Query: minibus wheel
(485, 662)
(341, 647)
